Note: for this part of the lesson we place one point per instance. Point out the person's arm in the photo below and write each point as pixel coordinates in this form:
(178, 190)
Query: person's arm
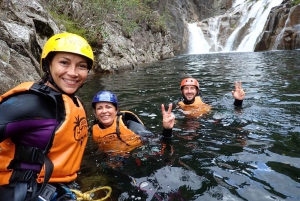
(26, 116)
(238, 103)
(175, 103)
(28, 120)
(138, 128)
(168, 121)
(167, 133)
(238, 94)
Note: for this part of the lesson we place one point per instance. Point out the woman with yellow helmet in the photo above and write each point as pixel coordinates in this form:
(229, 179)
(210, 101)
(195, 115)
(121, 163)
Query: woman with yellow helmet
(43, 125)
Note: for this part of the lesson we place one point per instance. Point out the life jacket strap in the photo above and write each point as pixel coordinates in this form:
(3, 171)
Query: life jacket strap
(27, 154)
(118, 130)
(48, 172)
(22, 175)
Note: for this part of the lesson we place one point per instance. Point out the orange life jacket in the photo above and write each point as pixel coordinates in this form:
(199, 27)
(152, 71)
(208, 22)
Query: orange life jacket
(116, 139)
(196, 109)
(68, 144)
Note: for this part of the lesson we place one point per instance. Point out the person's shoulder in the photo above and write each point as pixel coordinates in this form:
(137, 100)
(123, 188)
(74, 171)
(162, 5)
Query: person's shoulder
(176, 101)
(27, 105)
(128, 115)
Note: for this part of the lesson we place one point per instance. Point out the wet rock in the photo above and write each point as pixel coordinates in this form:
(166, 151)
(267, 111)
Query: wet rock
(282, 30)
(24, 29)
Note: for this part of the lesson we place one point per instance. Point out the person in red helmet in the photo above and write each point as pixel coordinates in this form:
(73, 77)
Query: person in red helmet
(192, 104)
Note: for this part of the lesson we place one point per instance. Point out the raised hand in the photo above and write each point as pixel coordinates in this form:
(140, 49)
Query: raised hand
(168, 117)
(238, 93)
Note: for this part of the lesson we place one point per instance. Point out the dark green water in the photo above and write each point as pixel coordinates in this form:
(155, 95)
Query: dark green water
(251, 153)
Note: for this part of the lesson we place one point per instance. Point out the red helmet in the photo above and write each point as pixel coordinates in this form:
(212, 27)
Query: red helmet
(189, 82)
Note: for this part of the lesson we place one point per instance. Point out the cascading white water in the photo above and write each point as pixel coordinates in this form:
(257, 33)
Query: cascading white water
(237, 2)
(220, 37)
(214, 27)
(197, 42)
(260, 11)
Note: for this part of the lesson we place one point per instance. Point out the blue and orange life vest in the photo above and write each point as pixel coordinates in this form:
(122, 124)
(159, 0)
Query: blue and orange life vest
(117, 138)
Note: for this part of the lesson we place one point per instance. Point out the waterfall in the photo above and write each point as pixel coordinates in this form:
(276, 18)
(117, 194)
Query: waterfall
(260, 11)
(197, 42)
(238, 29)
(214, 24)
(237, 2)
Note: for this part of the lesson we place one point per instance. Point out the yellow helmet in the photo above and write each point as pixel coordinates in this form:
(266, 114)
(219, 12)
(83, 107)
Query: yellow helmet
(67, 42)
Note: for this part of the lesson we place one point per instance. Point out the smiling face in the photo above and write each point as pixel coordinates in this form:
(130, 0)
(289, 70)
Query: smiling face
(189, 92)
(68, 71)
(105, 113)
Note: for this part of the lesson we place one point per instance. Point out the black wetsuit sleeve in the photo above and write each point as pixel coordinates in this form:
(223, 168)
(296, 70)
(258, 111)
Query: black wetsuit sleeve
(175, 103)
(238, 103)
(166, 133)
(141, 130)
(27, 118)
(138, 128)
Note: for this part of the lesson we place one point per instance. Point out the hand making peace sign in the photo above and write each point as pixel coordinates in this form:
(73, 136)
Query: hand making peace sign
(238, 93)
(168, 117)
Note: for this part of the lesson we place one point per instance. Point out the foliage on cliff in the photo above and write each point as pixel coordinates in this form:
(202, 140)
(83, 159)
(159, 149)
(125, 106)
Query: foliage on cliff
(295, 2)
(87, 18)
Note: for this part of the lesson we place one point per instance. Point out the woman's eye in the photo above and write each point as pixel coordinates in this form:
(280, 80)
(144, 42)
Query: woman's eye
(63, 62)
(83, 66)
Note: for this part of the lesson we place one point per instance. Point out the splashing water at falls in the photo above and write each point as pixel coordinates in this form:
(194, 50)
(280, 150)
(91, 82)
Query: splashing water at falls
(260, 11)
(197, 42)
(237, 2)
(238, 29)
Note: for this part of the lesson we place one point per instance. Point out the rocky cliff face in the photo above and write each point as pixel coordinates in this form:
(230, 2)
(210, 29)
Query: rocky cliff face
(282, 30)
(144, 46)
(25, 27)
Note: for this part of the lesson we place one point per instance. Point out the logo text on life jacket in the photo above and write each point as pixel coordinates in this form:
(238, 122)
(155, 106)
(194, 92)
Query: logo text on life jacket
(80, 129)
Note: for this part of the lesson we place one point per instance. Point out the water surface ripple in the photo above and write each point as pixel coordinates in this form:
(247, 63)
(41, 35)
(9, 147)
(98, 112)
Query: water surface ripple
(251, 153)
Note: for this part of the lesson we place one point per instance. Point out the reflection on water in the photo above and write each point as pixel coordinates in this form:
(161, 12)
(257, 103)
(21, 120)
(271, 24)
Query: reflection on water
(251, 153)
